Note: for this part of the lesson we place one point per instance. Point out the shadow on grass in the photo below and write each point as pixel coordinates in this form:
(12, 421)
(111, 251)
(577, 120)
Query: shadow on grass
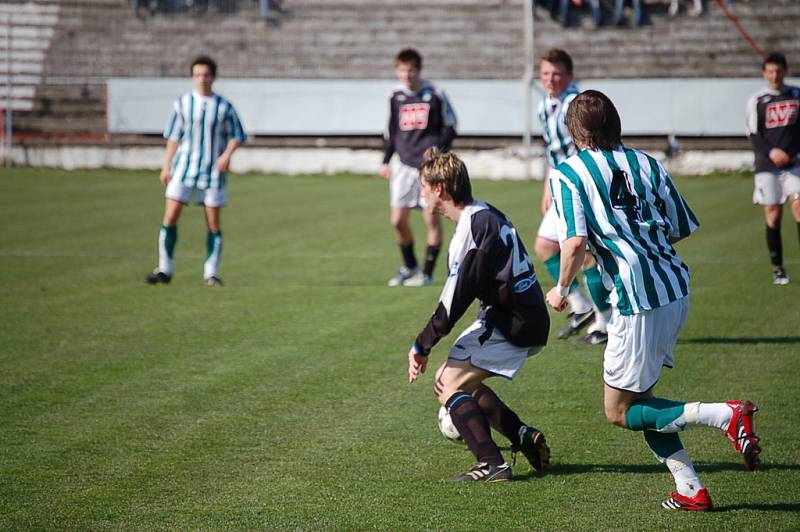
(579, 469)
(741, 340)
(778, 507)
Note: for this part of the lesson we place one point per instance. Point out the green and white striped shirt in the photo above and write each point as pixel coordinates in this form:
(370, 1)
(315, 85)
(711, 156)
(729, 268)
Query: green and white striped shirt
(202, 126)
(628, 207)
(553, 116)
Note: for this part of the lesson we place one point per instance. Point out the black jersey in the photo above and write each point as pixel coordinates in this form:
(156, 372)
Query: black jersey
(772, 122)
(418, 121)
(487, 261)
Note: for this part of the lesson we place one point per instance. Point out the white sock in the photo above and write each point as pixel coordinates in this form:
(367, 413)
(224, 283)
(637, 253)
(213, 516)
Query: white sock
(717, 415)
(578, 302)
(164, 260)
(687, 483)
(600, 323)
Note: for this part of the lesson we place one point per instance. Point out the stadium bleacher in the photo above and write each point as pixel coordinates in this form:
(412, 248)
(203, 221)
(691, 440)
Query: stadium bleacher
(90, 41)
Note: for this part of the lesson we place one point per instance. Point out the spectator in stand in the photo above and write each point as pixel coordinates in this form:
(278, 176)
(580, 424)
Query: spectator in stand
(695, 11)
(151, 5)
(637, 13)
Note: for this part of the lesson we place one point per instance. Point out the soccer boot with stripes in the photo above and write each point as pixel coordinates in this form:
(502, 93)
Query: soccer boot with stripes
(157, 277)
(701, 502)
(418, 279)
(402, 275)
(741, 433)
(486, 473)
(533, 445)
(575, 322)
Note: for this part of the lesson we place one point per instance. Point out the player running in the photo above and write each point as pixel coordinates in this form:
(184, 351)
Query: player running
(202, 133)
(420, 118)
(488, 262)
(774, 130)
(555, 74)
(624, 204)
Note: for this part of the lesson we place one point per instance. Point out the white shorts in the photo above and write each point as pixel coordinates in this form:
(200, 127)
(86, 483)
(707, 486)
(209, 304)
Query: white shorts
(486, 348)
(774, 188)
(639, 345)
(405, 190)
(548, 229)
(211, 197)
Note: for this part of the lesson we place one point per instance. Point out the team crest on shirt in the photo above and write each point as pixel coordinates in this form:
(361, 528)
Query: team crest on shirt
(414, 116)
(781, 114)
(454, 269)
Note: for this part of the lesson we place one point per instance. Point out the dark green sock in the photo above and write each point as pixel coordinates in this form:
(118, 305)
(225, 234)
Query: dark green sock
(170, 238)
(662, 444)
(652, 414)
(596, 289)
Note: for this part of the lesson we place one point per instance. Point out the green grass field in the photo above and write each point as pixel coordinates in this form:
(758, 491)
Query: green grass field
(280, 401)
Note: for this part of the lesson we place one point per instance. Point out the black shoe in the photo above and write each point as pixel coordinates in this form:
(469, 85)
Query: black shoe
(596, 338)
(575, 322)
(214, 281)
(157, 277)
(534, 446)
(486, 472)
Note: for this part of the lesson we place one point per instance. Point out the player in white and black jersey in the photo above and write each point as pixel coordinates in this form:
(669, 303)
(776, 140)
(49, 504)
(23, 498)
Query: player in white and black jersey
(556, 76)
(625, 205)
(420, 118)
(202, 133)
(486, 261)
(774, 129)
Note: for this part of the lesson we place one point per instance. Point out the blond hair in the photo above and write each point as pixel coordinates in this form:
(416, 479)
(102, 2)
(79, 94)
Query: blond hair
(448, 170)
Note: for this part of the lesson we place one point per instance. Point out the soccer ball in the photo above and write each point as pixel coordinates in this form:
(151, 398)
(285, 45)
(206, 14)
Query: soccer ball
(446, 426)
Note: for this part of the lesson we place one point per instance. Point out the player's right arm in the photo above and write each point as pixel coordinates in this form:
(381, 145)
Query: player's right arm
(166, 168)
(388, 140)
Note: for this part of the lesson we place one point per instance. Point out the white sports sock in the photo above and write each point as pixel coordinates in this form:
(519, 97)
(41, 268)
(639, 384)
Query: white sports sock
(164, 260)
(687, 483)
(600, 323)
(717, 415)
(578, 302)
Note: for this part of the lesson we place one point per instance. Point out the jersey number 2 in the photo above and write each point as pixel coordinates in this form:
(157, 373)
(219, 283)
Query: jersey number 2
(521, 261)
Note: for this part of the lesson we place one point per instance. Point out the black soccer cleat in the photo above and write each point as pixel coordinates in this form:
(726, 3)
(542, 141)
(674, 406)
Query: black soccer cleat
(534, 446)
(596, 338)
(779, 277)
(157, 277)
(486, 473)
(214, 281)
(575, 322)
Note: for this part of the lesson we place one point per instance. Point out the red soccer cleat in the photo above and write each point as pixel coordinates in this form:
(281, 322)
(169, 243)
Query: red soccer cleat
(740, 432)
(701, 502)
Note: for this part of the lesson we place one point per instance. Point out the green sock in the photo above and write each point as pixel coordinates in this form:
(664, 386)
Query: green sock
(553, 265)
(170, 237)
(654, 414)
(596, 289)
(663, 445)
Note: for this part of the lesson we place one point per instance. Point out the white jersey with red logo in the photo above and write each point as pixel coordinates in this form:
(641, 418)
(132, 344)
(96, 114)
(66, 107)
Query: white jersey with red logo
(418, 121)
(772, 122)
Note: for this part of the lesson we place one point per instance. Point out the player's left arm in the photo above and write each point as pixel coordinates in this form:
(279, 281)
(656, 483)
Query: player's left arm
(224, 160)
(449, 124)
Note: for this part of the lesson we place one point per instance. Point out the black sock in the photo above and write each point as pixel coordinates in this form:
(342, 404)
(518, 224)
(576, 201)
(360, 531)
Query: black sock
(431, 254)
(473, 426)
(503, 419)
(407, 250)
(775, 246)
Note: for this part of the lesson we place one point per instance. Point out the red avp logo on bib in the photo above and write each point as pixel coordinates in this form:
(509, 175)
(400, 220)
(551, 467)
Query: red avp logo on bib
(415, 116)
(781, 114)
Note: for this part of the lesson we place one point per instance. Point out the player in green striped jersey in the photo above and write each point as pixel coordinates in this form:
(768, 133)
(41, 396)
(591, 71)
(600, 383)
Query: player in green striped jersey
(624, 204)
(202, 133)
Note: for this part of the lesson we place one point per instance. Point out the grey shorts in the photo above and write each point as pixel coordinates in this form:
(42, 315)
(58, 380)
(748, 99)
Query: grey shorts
(405, 190)
(774, 188)
(484, 347)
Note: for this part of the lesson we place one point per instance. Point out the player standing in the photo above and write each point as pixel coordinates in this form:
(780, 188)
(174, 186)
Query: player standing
(555, 74)
(202, 133)
(774, 130)
(625, 205)
(488, 262)
(420, 118)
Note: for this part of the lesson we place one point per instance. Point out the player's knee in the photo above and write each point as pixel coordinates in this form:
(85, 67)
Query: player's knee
(615, 415)
(545, 248)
